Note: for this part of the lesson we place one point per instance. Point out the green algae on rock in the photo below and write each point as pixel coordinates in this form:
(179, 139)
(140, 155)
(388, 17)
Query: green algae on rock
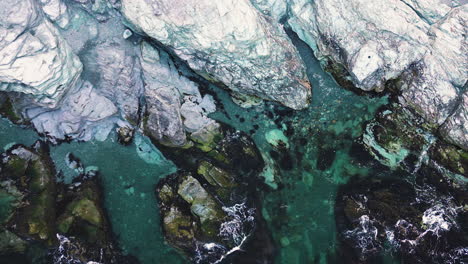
(40, 208)
(204, 208)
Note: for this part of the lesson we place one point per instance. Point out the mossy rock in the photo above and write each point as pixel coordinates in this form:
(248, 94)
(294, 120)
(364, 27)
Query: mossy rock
(10, 200)
(216, 176)
(451, 157)
(11, 243)
(7, 110)
(208, 137)
(179, 228)
(202, 205)
(32, 172)
(83, 216)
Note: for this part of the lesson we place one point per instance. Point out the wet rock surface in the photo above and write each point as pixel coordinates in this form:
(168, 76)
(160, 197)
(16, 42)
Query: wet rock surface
(420, 221)
(210, 210)
(41, 215)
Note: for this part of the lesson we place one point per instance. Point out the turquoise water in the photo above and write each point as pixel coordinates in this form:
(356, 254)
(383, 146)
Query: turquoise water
(128, 181)
(13, 134)
(322, 156)
(298, 205)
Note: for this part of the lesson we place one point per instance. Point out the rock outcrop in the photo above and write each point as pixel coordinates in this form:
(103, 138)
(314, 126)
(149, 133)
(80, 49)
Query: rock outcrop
(41, 214)
(208, 211)
(409, 218)
(418, 48)
(34, 58)
(228, 42)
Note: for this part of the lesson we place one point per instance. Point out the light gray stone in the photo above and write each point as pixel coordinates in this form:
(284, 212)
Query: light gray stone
(83, 115)
(455, 129)
(119, 75)
(56, 11)
(34, 58)
(229, 42)
(163, 100)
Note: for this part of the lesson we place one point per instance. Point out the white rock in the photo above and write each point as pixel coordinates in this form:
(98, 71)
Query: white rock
(56, 11)
(421, 43)
(227, 41)
(455, 129)
(375, 40)
(442, 71)
(82, 115)
(431, 10)
(34, 58)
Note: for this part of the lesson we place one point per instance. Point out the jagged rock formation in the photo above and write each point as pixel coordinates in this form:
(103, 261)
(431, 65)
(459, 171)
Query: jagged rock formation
(174, 103)
(208, 211)
(228, 42)
(34, 58)
(409, 217)
(421, 47)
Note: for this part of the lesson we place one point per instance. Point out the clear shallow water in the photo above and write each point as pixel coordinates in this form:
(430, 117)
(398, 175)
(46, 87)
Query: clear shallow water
(299, 211)
(130, 201)
(128, 182)
(322, 141)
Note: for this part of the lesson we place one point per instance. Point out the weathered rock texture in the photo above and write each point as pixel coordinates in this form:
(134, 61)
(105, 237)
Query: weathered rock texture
(207, 210)
(228, 42)
(420, 46)
(34, 58)
(40, 213)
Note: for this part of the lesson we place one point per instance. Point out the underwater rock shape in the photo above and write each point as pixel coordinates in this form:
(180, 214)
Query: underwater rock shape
(34, 58)
(207, 211)
(407, 218)
(228, 42)
(40, 211)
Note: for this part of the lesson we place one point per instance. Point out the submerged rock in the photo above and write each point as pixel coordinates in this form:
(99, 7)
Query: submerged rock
(378, 215)
(208, 212)
(227, 42)
(39, 212)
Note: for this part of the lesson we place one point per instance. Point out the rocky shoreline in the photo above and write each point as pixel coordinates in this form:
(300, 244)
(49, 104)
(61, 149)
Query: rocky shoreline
(80, 70)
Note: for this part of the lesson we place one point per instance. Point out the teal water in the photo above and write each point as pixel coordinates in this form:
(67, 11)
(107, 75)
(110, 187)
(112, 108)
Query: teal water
(129, 183)
(128, 178)
(13, 134)
(299, 204)
(300, 212)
